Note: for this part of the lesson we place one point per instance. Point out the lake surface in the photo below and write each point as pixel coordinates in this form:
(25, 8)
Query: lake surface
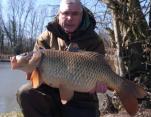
(10, 81)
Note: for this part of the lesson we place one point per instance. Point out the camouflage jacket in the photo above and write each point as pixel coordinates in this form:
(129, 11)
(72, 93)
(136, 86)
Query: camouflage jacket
(85, 36)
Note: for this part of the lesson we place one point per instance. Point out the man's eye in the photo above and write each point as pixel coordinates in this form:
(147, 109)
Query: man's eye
(76, 13)
(71, 13)
(66, 13)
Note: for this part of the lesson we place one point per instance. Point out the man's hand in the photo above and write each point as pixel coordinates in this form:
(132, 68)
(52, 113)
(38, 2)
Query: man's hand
(101, 88)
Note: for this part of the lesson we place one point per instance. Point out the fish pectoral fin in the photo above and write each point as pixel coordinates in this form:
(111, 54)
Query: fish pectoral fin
(36, 78)
(65, 94)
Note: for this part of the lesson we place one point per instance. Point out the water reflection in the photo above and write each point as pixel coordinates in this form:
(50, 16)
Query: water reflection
(10, 81)
(2, 104)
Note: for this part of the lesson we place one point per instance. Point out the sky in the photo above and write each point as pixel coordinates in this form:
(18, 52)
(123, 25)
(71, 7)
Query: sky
(52, 2)
(89, 4)
(39, 2)
(47, 3)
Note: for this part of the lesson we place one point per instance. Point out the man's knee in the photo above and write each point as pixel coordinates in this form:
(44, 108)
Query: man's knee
(23, 92)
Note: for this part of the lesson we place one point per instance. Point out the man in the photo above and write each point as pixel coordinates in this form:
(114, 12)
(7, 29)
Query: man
(74, 25)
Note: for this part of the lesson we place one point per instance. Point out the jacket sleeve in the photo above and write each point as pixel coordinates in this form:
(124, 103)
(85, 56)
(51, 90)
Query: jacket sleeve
(42, 41)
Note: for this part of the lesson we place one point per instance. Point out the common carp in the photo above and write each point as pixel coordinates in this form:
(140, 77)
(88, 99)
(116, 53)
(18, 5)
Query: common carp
(76, 71)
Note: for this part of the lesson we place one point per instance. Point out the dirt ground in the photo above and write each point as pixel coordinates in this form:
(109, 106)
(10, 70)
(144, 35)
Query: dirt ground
(140, 113)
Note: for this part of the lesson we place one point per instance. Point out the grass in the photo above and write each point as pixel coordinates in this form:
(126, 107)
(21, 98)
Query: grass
(11, 114)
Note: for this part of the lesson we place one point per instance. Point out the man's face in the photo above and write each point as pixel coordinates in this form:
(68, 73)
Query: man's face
(70, 17)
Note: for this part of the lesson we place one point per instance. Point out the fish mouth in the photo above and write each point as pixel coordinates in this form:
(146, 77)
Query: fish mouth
(24, 57)
(13, 62)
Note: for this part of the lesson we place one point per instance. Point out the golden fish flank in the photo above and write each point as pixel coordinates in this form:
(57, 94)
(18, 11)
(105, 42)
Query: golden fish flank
(77, 71)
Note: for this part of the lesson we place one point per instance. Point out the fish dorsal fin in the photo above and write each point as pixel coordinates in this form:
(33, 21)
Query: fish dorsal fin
(36, 78)
(65, 94)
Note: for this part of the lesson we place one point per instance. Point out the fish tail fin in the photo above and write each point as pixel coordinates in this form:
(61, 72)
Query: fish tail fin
(128, 94)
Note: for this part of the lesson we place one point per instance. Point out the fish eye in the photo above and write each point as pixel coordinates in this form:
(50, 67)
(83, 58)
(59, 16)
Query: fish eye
(24, 54)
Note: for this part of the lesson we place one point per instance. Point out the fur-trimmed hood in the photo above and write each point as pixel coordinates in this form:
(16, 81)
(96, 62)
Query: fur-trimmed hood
(87, 25)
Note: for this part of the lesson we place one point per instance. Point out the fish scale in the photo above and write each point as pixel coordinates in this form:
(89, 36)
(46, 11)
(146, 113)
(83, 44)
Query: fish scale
(74, 73)
(72, 64)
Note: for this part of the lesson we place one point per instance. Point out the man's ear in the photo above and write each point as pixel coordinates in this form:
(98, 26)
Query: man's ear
(35, 59)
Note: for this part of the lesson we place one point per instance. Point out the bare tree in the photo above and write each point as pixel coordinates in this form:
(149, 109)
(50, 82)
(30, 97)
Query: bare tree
(1, 33)
(131, 40)
(17, 21)
(129, 27)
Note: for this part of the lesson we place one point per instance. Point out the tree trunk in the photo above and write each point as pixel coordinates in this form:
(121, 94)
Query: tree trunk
(118, 60)
(130, 31)
(150, 17)
(1, 41)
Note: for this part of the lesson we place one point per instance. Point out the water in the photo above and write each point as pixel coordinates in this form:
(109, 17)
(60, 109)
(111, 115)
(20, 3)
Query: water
(10, 81)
